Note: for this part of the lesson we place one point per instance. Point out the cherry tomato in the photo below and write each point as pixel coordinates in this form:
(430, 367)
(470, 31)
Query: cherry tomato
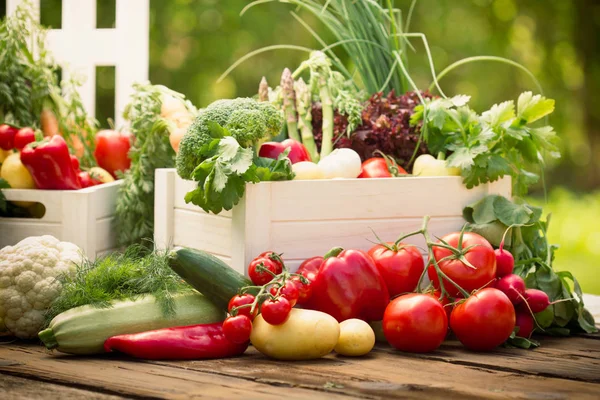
(241, 300)
(271, 255)
(308, 269)
(237, 329)
(289, 291)
(112, 150)
(445, 302)
(24, 137)
(377, 167)
(260, 278)
(276, 312)
(415, 323)
(400, 269)
(304, 290)
(86, 180)
(7, 136)
(483, 321)
(481, 257)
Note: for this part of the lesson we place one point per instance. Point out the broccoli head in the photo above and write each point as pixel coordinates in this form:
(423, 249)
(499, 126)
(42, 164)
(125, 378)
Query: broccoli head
(248, 120)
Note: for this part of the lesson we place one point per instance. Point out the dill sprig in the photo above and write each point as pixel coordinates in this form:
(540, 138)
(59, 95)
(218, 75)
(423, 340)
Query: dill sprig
(150, 149)
(120, 276)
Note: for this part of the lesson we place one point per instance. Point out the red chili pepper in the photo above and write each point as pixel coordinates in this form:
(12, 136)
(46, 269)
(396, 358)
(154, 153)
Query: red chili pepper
(180, 343)
(49, 163)
(273, 149)
(349, 285)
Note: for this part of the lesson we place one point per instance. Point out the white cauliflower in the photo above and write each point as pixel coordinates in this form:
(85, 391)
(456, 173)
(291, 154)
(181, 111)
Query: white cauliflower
(28, 281)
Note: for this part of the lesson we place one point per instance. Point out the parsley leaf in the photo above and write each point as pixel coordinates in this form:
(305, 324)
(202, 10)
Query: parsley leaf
(531, 108)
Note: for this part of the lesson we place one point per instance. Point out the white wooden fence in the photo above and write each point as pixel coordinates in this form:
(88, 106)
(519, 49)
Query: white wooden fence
(79, 46)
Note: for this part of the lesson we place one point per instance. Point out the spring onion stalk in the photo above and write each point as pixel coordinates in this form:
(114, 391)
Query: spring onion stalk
(289, 104)
(304, 105)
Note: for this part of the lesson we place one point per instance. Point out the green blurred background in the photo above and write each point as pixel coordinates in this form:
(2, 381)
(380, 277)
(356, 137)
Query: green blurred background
(193, 41)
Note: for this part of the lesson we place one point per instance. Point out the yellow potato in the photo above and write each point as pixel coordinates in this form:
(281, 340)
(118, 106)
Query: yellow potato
(17, 176)
(356, 338)
(306, 335)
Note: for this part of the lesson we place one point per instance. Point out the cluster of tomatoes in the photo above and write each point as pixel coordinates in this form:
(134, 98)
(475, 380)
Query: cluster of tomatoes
(479, 299)
(277, 293)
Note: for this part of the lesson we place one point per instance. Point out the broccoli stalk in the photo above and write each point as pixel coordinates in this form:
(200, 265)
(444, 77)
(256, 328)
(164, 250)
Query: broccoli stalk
(303, 105)
(263, 90)
(289, 104)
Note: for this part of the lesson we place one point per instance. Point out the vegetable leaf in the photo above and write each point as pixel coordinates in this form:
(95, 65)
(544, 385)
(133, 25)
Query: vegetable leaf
(499, 113)
(510, 213)
(530, 108)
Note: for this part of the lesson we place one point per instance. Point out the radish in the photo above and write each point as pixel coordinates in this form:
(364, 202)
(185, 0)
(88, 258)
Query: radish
(505, 262)
(537, 300)
(513, 286)
(525, 322)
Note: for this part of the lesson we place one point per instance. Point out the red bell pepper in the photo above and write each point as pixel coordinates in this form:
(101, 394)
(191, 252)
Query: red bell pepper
(50, 165)
(273, 149)
(193, 342)
(348, 285)
(7, 136)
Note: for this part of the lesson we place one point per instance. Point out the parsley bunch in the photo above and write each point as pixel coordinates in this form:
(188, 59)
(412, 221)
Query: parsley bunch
(226, 168)
(486, 147)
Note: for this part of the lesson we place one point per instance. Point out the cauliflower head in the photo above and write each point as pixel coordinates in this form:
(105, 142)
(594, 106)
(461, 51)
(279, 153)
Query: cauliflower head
(28, 281)
(248, 120)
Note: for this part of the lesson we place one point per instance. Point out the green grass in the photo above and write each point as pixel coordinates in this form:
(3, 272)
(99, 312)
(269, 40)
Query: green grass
(575, 227)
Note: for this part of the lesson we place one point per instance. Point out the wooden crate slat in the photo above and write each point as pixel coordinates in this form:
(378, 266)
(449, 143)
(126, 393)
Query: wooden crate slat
(202, 231)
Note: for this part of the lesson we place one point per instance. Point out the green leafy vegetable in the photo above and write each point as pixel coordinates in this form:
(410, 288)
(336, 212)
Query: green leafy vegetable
(3, 202)
(496, 143)
(226, 168)
(116, 276)
(528, 242)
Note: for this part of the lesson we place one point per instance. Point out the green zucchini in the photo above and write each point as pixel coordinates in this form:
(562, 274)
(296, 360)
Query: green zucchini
(208, 275)
(83, 330)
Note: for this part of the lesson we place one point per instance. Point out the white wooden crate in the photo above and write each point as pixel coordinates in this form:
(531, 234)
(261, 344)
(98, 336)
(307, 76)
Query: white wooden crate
(84, 217)
(303, 219)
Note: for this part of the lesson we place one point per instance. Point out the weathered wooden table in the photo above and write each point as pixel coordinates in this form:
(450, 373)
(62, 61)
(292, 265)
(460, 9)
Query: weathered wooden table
(560, 369)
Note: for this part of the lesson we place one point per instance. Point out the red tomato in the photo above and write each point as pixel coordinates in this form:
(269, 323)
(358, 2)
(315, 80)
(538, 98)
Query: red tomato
(445, 302)
(237, 329)
(481, 257)
(415, 323)
(242, 300)
(24, 137)
(86, 180)
(276, 258)
(377, 167)
(260, 278)
(297, 153)
(276, 312)
(308, 269)
(483, 321)
(7, 136)
(400, 269)
(289, 291)
(304, 290)
(112, 150)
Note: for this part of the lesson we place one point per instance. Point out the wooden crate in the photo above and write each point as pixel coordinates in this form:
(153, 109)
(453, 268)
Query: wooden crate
(84, 217)
(306, 218)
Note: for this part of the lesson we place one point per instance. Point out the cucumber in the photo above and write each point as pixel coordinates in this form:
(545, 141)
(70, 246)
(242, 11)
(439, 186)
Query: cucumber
(83, 330)
(208, 275)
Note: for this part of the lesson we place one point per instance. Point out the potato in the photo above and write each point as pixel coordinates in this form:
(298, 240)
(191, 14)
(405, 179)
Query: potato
(356, 338)
(306, 335)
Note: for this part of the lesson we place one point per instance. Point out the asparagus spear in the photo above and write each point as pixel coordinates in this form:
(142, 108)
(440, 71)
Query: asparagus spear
(289, 104)
(263, 90)
(303, 105)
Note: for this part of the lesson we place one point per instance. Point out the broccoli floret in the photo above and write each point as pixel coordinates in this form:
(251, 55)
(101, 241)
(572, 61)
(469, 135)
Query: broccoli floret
(247, 119)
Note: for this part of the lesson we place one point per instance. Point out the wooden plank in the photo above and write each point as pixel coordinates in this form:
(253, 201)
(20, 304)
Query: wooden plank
(78, 221)
(51, 199)
(371, 198)
(104, 198)
(105, 238)
(15, 388)
(138, 379)
(299, 240)
(164, 207)
(202, 231)
(16, 229)
(592, 303)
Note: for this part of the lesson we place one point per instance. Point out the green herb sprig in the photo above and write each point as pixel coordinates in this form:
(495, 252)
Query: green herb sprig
(120, 276)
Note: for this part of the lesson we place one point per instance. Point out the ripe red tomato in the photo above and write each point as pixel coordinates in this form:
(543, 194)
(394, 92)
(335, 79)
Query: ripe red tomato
(237, 329)
(289, 291)
(260, 278)
(445, 302)
(400, 269)
(276, 312)
(308, 269)
(271, 255)
(481, 257)
(24, 137)
(415, 323)
(7, 136)
(483, 321)
(304, 290)
(242, 300)
(112, 150)
(377, 167)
